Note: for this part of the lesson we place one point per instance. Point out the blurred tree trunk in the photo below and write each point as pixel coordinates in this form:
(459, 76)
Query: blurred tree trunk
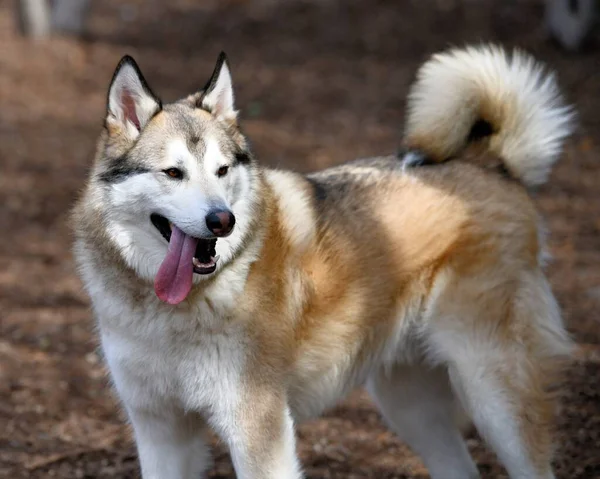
(38, 18)
(33, 17)
(68, 16)
(570, 22)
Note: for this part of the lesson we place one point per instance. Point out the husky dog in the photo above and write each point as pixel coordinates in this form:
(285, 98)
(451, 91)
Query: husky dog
(239, 299)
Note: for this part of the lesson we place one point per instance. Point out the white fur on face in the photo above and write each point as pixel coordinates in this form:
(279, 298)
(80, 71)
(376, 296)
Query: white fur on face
(185, 202)
(214, 158)
(237, 194)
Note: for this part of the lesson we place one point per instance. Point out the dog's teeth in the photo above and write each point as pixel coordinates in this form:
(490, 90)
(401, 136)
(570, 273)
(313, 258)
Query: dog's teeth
(170, 226)
(200, 264)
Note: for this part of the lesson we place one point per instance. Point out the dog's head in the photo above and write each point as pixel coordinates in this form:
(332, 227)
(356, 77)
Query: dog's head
(179, 182)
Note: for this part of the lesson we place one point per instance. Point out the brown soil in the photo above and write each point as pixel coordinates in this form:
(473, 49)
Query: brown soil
(318, 83)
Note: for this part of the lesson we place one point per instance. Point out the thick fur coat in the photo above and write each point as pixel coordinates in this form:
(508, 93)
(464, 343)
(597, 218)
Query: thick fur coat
(418, 275)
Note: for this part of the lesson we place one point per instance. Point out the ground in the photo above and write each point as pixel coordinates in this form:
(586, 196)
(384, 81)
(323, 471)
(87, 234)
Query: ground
(317, 83)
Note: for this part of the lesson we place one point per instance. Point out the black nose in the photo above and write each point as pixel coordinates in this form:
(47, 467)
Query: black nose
(220, 223)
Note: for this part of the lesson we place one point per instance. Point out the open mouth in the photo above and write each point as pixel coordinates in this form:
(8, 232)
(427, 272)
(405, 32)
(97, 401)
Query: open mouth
(204, 260)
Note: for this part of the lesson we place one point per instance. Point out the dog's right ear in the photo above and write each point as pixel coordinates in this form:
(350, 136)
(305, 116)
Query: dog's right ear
(131, 103)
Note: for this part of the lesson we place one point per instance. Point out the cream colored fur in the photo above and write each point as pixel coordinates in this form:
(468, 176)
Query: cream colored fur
(512, 92)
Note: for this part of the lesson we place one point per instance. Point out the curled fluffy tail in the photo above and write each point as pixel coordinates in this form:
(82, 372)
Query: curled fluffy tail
(482, 91)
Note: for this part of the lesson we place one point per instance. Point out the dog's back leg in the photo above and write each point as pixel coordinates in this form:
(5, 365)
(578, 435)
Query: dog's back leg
(504, 348)
(418, 403)
(508, 409)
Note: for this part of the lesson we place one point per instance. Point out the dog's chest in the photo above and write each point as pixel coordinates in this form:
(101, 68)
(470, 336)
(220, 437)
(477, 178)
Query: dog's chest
(173, 359)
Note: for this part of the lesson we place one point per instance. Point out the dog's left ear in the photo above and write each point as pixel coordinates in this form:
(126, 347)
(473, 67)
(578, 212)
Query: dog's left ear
(217, 97)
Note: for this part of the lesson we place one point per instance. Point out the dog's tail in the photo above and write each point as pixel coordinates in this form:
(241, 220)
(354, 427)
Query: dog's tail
(483, 94)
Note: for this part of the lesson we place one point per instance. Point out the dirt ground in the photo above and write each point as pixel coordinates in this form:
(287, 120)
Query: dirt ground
(317, 83)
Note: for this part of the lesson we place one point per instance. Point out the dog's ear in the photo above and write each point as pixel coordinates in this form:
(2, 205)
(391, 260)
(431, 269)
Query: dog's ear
(217, 97)
(131, 103)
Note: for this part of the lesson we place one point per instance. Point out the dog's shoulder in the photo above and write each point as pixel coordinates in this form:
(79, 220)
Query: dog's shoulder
(295, 206)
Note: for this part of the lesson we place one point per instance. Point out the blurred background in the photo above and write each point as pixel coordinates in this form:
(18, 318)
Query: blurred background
(317, 83)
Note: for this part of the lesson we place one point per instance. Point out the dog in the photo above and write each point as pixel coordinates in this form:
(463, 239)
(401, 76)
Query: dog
(239, 299)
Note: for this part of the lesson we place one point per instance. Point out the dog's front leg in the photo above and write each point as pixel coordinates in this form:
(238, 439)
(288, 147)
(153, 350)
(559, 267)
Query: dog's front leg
(261, 439)
(171, 445)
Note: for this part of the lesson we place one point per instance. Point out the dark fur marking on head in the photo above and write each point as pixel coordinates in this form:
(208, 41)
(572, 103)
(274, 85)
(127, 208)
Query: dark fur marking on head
(128, 60)
(212, 82)
(118, 170)
(242, 157)
(479, 130)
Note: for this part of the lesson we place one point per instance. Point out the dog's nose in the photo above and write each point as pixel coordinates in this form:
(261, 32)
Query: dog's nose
(220, 223)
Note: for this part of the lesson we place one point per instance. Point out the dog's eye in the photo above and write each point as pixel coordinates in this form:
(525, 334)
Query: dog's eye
(174, 173)
(222, 171)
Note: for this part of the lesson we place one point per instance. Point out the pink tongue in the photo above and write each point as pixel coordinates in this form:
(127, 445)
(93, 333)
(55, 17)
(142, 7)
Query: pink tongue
(174, 279)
